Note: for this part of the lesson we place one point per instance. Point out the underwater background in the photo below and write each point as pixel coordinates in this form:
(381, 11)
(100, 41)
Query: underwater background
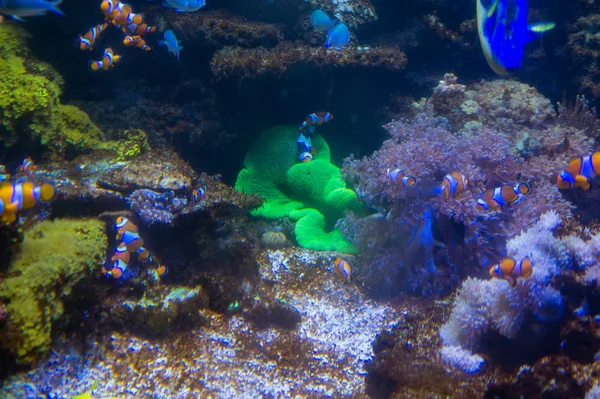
(299, 199)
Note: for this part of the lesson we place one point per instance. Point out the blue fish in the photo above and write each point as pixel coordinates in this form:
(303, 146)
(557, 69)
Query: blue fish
(338, 37)
(184, 5)
(503, 32)
(18, 9)
(320, 21)
(172, 43)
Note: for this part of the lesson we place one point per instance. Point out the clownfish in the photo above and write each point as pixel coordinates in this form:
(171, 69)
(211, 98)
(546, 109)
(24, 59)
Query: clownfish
(27, 167)
(509, 270)
(316, 118)
(120, 261)
(15, 197)
(495, 199)
(109, 59)
(86, 42)
(341, 268)
(136, 41)
(397, 176)
(453, 184)
(4, 175)
(138, 29)
(197, 194)
(579, 172)
(119, 12)
(122, 225)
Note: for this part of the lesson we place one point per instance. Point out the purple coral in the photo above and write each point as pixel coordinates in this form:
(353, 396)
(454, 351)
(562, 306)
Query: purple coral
(154, 207)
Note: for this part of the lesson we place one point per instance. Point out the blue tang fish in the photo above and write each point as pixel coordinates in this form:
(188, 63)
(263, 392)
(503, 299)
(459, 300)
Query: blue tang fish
(320, 21)
(184, 5)
(338, 37)
(171, 42)
(18, 9)
(503, 32)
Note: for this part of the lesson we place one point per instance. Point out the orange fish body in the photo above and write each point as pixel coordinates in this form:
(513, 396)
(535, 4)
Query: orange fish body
(341, 268)
(86, 42)
(119, 267)
(316, 118)
(138, 29)
(123, 224)
(108, 60)
(509, 270)
(494, 199)
(15, 197)
(397, 176)
(136, 41)
(454, 184)
(27, 167)
(579, 172)
(121, 253)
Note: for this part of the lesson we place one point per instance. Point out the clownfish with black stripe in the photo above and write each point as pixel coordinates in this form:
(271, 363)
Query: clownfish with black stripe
(453, 184)
(136, 41)
(86, 42)
(109, 58)
(120, 260)
(316, 118)
(27, 167)
(15, 197)
(341, 268)
(509, 270)
(579, 172)
(494, 199)
(397, 176)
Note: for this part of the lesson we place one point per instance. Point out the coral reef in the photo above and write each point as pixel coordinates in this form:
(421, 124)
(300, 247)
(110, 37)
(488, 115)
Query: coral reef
(494, 133)
(296, 189)
(31, 107)
(220, 28)
(52, 259)
(231, 61)
(583, 46)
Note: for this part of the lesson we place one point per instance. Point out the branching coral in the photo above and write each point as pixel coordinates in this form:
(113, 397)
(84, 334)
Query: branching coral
(253, 62)
(52, 259)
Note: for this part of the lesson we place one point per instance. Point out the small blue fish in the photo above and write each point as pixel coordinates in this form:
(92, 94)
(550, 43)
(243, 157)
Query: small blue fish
(184, 5)
(320, 21)
(18, 9)
(172, 43)
(338, 37)
(503, 32)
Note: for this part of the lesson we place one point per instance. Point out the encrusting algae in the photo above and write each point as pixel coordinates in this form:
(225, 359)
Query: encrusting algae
(52, 259)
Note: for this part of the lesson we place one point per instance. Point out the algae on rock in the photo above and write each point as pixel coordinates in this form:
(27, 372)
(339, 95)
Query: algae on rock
(53, 258)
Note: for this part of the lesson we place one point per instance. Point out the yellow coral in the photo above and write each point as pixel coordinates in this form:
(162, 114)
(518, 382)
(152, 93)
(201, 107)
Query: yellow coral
(53, 257)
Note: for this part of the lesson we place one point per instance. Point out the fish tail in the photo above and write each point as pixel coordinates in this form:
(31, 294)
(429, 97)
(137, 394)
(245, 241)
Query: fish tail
(54, 7)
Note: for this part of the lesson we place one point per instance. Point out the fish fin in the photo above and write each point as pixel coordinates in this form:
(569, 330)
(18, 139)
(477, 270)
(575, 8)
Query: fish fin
(537, 29)
(511, 281)
(492, 9)
(54, 7)
(179, 48)
(17, 18)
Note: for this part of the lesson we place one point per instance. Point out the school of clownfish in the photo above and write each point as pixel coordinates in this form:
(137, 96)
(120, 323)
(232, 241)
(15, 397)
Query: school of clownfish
(121, 16)
(17, 196)
(131, 243)
(578, 174)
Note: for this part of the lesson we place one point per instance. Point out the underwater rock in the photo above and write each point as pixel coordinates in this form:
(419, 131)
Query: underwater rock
(583, 42)
(237, 61)
(162, 310)
(52, 259)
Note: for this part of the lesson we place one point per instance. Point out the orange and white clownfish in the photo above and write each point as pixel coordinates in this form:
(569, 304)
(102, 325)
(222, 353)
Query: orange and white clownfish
(397, 176)
(27, 167)
(15, 197)
(579, 172)
(86, 42)
(197, 194)
(509, 270)
(316, 118)
(123, 224)
(136, 41)
(494, 199)
(109, 59)
(119, 13)
(453, 184)
(138, 29)
(341, 268)
(118, 269)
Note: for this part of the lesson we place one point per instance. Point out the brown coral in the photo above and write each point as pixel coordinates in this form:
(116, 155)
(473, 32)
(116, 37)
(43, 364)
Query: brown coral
(260, 61)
